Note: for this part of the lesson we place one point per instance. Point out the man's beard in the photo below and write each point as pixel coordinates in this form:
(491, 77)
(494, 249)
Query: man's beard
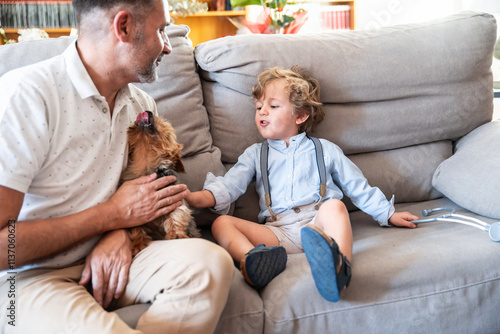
(147, 73)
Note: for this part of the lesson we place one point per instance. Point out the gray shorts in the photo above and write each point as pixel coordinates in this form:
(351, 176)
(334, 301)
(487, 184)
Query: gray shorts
(288, 225)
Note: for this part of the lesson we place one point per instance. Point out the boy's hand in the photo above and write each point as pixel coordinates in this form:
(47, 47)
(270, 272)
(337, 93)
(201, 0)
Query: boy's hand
(403, 219)
(200, 199)
(190, 198)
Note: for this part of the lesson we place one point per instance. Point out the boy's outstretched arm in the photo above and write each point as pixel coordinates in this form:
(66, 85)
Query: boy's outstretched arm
(403, 219)
(201, 199)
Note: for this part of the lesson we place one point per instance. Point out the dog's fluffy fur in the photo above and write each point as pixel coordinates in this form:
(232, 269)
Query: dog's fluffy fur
(153, 148)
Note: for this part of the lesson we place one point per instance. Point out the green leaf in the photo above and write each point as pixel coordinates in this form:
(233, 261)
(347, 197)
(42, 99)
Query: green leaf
(242, 3)
(285, 21)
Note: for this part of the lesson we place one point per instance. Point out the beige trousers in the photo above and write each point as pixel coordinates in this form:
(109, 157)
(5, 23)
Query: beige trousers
(187, 281)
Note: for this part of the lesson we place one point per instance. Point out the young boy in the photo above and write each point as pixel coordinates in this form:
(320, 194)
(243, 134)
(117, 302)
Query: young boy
(298, 215)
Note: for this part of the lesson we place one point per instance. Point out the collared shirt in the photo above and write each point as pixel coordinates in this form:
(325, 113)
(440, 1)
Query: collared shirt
(294, 179)
(58, 143)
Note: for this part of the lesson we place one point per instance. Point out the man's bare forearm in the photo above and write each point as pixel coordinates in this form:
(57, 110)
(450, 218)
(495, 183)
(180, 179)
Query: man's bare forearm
(39, 239)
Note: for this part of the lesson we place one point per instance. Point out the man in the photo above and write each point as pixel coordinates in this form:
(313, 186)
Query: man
(62, 149)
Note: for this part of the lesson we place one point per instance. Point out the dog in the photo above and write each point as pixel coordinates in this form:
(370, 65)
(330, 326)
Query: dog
(153, 148)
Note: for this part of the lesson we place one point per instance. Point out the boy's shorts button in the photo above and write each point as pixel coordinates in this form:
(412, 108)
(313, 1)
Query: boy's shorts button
(297, 210)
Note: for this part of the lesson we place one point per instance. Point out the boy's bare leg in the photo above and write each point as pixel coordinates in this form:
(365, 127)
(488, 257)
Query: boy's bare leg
(333, 219)
(239, 236)
(329, 260)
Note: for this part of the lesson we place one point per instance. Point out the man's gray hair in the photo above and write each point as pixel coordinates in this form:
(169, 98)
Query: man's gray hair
(83, 7)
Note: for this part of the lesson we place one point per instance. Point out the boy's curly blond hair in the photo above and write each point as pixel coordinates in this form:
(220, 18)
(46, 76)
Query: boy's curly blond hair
(302, 89)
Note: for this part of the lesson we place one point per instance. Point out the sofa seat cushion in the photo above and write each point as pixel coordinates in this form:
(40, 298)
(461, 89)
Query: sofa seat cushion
(471, 177)
(403, 281)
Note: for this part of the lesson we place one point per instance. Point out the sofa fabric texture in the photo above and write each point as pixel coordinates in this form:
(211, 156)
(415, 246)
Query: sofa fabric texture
(411, 105)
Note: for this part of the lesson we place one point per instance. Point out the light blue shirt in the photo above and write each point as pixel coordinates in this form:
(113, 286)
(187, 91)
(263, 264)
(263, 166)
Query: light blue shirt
(294, 179)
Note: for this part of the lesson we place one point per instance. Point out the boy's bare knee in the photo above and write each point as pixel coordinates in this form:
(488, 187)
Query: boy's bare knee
(219, 223)
(334, 205)
(220, 227)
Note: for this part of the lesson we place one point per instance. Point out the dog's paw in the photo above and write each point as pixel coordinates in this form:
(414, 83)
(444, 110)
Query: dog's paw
(164, 171)
(176, 235)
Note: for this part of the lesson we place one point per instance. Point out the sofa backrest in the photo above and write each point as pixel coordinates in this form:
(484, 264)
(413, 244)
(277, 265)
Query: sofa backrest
(395, 98)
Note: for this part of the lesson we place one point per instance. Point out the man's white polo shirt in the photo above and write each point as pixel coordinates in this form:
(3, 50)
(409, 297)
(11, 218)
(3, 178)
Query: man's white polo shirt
(58, 143)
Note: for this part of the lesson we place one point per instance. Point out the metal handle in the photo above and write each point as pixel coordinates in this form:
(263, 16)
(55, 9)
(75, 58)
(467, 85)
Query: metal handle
(431, 211)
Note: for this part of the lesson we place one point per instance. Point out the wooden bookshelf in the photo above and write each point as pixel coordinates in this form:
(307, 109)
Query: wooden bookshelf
(47, 16)
(210, 25)
(205, 26)
(11, 33)
(214, 24)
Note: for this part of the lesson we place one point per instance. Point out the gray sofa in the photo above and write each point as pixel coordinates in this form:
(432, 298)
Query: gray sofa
(411, 105)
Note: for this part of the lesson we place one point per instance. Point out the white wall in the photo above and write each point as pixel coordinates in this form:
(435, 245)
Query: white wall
(373, 14)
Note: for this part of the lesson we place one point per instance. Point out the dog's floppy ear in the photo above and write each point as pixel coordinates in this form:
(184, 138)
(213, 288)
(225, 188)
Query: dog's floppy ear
(175, 153)
(171, 148)
(177, 164)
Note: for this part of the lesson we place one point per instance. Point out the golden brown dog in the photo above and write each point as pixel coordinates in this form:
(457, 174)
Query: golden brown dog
(153, 148)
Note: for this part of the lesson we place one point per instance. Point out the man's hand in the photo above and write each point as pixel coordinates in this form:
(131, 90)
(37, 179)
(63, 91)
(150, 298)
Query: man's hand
(107, 267)
(403, 219)
(146, 198)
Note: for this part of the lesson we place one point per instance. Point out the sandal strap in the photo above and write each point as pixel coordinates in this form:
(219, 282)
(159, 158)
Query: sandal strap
(344, 274)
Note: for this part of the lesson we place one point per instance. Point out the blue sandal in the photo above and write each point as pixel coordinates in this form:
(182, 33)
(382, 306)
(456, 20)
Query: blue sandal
(324, 256)
(262, 264)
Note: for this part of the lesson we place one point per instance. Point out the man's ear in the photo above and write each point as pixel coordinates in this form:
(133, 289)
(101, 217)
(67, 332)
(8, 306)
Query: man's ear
(301, 118)
(122, 26)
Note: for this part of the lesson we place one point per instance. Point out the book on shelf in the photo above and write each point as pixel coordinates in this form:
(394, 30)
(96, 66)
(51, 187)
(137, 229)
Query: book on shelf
(37, 14)
(336, 17)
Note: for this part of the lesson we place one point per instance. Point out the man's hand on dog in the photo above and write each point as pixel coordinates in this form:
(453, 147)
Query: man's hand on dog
(136, 202)
(144, 199)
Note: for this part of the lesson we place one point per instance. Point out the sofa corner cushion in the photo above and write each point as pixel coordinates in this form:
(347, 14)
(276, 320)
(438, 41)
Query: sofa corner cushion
(470, 177)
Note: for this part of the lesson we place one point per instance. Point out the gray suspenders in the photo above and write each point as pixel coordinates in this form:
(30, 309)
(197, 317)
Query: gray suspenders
(265, 176)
